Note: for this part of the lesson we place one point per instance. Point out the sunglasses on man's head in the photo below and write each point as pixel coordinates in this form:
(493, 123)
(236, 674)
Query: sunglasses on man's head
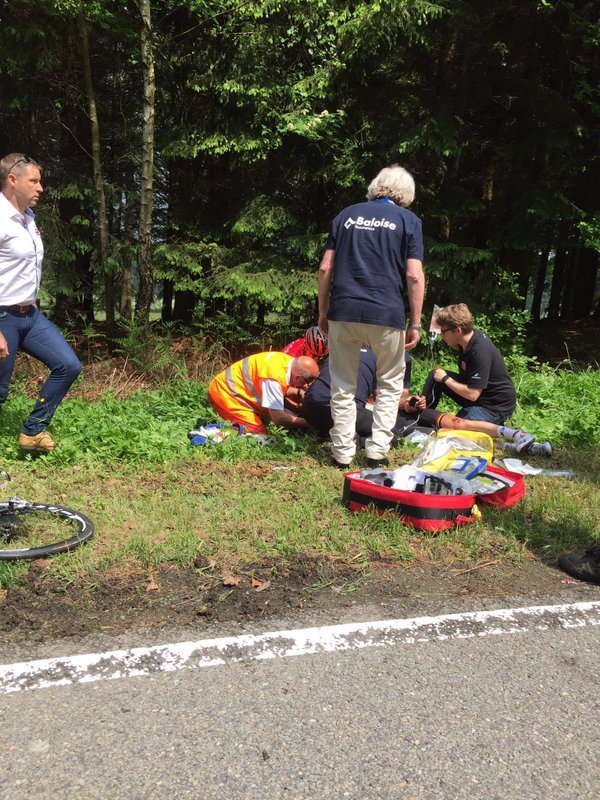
(22, 159)
(445, 330)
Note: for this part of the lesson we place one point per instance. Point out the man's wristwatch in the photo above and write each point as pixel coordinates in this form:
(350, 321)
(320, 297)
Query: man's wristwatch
(415, 327)
(445, 379)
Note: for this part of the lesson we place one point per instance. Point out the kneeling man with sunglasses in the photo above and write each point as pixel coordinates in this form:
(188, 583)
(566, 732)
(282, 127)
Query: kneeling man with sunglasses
(482, 385)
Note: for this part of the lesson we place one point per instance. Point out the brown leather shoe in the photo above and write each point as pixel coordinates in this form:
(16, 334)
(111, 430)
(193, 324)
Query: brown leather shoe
(42, 442)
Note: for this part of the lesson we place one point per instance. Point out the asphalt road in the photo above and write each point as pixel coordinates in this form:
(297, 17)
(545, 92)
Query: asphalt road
(509, 712)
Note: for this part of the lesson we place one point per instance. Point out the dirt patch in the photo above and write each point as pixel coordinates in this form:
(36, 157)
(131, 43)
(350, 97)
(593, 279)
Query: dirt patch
(38, 610)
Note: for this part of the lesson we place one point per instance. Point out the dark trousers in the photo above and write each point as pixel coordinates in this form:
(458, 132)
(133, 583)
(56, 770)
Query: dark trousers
(38, 337)
(319, 416)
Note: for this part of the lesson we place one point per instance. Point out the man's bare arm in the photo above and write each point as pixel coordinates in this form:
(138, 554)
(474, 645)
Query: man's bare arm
(325, 278)
(285, 419)
(415, 288)
(470, 393)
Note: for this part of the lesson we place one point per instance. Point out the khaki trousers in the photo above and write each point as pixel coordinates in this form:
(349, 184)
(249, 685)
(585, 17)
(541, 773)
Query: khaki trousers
(345, 342)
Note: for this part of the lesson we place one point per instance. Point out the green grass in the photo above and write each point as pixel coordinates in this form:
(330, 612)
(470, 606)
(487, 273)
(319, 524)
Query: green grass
(156, 500)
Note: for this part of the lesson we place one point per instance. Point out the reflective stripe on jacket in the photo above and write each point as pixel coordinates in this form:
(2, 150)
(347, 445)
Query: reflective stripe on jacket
(240, 384)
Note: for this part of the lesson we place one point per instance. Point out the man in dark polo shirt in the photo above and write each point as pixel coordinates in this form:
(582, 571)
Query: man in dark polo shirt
(482, 385)
(373, 257)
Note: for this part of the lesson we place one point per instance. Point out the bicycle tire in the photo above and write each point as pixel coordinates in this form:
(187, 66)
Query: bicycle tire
(84, 529)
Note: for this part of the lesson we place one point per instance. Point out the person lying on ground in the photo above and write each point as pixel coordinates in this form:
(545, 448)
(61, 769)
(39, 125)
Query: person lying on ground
(313, 344)
(251, 391)
(516, 439)
(482, 386)
(316, 405)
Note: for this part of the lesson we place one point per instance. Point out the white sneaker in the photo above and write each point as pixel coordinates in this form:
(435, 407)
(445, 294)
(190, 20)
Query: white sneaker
(541, 449)
(523, 441)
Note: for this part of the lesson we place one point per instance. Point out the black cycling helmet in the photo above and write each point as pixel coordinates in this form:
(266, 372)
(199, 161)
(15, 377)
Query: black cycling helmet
(316, 342)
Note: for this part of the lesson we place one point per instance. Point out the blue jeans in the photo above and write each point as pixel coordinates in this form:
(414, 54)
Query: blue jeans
(433, 390)
(38, 337)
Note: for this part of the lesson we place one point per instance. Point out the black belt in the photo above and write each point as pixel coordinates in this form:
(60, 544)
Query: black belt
(19, 309)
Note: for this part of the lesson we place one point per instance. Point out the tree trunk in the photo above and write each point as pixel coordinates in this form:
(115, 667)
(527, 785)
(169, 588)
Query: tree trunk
(167, 303)
(69, 306)
(146, 278)
(183, 308)
(558, 275)
(101, 220)
(522, 266)
(584, 283)
(125, 309)
(446, 64)
(540, 283)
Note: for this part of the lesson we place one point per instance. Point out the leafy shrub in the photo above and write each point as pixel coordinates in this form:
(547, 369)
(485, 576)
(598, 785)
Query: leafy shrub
(163, 358)
(561, 405)
(507, 329)
(151, 426)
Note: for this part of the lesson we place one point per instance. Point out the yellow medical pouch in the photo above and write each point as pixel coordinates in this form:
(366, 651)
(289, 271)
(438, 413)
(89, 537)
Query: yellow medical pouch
(443, 447)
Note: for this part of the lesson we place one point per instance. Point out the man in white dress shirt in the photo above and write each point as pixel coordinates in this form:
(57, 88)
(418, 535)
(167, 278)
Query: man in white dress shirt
(22, 325)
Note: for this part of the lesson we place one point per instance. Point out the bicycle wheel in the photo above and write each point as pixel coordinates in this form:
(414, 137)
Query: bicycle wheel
(37, 530)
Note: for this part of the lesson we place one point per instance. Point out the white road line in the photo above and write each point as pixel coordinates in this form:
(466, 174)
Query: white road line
(90, 667)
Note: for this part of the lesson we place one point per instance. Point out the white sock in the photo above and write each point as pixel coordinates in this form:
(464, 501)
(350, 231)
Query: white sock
(506, 433)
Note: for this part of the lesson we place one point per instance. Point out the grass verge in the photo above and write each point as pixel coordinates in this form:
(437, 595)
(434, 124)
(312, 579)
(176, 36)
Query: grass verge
(243, 509)
(156, 500)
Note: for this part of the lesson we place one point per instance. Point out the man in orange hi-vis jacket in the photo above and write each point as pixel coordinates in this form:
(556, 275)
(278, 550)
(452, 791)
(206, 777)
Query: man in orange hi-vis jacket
(253, 390)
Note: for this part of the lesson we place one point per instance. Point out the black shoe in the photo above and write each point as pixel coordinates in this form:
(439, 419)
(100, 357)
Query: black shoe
(585, 567)
(339, 465)
(378, 462)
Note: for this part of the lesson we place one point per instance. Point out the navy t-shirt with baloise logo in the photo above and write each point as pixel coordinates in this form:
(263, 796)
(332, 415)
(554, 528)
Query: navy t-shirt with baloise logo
(372, 242)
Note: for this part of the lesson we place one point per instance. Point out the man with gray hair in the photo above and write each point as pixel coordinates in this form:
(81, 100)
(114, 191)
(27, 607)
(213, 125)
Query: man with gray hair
(373, 257)
(22, 325)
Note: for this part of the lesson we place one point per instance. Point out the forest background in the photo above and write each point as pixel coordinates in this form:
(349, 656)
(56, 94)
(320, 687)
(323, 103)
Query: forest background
(195, 152)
